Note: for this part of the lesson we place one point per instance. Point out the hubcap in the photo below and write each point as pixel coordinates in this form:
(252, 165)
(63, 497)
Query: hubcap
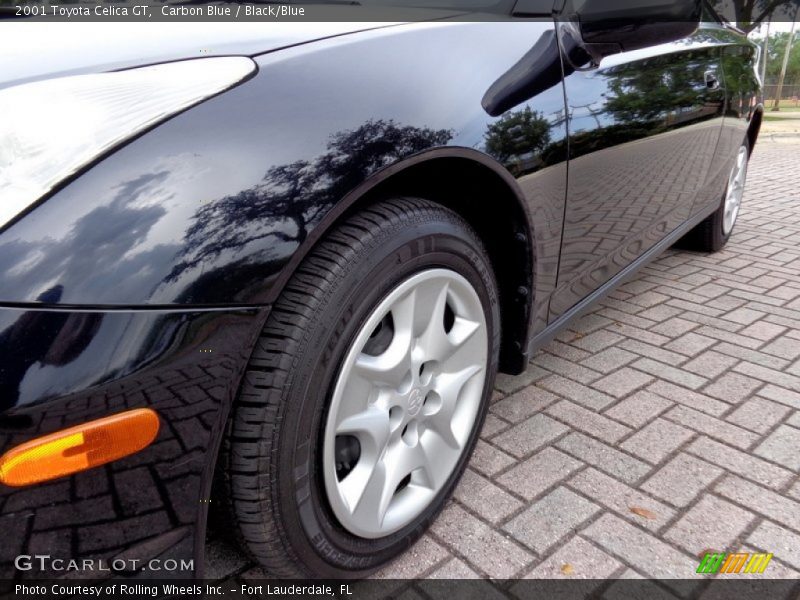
(735, 191)
(405, 403)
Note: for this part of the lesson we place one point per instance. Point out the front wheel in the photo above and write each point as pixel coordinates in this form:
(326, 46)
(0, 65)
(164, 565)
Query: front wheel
(365, 394)
(711, 234)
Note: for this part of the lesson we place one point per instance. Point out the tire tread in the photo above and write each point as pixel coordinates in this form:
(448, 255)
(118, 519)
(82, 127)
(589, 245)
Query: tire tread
(254, 426)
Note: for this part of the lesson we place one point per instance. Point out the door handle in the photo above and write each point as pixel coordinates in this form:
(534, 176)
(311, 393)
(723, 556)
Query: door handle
(712, 82)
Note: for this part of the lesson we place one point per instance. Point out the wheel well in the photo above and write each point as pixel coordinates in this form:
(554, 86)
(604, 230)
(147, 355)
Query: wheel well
(755, 127)
(493, 209)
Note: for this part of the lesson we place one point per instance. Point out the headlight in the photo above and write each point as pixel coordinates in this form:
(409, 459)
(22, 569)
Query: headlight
(52, 128)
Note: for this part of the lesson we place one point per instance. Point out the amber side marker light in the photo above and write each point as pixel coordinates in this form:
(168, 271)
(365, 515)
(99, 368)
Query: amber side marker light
(79, 448)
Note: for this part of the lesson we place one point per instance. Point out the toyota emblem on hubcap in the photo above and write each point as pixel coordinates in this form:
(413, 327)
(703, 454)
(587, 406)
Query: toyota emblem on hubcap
(414, 402)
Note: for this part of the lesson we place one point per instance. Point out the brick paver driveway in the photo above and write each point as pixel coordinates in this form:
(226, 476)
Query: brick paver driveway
(662, 425)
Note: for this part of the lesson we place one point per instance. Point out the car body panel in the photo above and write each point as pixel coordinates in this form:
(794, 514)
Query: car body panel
(120, 263)
(74, 366)
(145, 280)
(740, 63)
(139, 46)
(263, 183)
(644, 128)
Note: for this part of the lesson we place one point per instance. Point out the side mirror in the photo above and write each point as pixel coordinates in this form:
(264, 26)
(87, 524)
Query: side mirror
(624, 25)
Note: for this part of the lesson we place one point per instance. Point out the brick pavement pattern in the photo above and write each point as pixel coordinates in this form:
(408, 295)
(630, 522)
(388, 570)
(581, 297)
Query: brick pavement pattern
(662, 425)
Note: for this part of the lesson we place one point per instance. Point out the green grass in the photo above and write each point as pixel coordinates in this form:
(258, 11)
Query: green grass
(786, 105)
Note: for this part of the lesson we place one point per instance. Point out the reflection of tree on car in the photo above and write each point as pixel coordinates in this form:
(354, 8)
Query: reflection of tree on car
(649, 97)
(653, 95)
(320, 269)
(518, 138)
(299, 193)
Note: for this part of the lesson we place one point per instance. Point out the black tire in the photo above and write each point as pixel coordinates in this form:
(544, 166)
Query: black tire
(271, 454)
(709, 235)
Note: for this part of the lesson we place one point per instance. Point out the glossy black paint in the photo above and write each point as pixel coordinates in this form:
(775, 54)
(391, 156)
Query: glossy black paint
(240, 165)
(621, 25)
(145, 280)
(647, 112)
(71, 366)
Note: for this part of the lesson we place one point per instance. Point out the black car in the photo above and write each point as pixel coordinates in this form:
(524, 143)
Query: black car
(271, 271)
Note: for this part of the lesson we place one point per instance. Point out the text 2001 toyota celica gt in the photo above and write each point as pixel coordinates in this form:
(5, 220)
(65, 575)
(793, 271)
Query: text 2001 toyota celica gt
(274, 269)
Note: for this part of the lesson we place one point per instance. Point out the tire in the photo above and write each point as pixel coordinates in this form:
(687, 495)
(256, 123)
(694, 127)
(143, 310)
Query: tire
(711, 234)
(277, 451)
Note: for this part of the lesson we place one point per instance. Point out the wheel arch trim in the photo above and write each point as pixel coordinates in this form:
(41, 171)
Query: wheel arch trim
(362, 193)
(514, 356)
(754, 127)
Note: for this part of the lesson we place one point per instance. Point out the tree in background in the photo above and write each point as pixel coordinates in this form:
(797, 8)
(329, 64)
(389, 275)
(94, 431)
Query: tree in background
(776, 53)
(749, 14)
(787, 55)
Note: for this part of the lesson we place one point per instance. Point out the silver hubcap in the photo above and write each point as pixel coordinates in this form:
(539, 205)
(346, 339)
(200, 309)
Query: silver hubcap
(735, 191)
(405, 403)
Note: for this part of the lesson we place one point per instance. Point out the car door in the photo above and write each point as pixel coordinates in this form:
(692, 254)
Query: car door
(643, 128)
(742, 95)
